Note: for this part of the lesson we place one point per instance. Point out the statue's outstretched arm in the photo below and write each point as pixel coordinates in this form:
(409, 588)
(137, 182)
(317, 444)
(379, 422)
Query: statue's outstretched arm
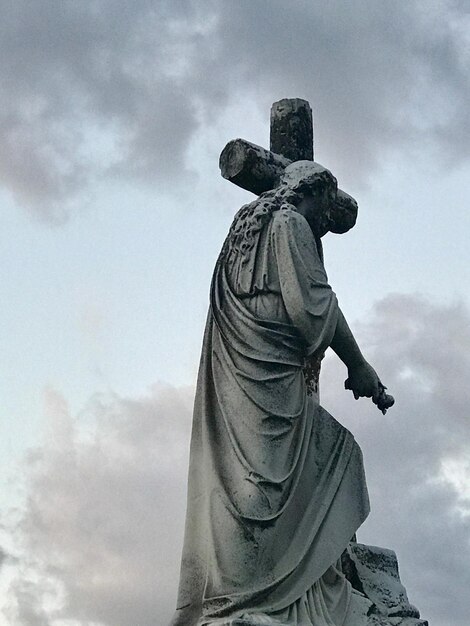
(345, 345)
(362, 378)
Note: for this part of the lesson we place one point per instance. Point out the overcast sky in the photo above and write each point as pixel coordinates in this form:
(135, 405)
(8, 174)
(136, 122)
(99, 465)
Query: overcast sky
(113, 114)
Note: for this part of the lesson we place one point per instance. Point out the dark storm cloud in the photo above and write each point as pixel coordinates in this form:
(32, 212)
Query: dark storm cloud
(104, 515)
(107, 86)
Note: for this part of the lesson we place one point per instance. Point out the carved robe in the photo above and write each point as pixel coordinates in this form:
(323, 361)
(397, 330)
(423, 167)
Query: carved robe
(276, 485)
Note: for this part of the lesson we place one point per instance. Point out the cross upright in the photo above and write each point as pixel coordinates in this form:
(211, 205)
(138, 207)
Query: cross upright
(292, 129)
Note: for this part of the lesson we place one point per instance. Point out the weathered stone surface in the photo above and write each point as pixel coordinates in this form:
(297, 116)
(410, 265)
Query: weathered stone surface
(251, 167)
(255, 169)
(292, 129)
(343, 213)
(374, 572)
(379, 620)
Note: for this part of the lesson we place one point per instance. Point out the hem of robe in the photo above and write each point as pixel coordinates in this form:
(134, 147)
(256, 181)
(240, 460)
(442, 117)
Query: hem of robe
(330, 601)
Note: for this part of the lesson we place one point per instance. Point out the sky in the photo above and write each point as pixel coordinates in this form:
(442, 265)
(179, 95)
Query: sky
(112, 118)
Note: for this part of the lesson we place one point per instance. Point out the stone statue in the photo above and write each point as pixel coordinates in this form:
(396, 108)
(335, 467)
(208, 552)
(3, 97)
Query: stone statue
(276, 485)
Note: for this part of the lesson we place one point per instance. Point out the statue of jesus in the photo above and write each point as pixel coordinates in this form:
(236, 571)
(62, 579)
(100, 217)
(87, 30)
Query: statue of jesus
(276, 485)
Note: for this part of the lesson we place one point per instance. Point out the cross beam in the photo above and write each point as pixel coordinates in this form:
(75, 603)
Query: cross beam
(256, 169)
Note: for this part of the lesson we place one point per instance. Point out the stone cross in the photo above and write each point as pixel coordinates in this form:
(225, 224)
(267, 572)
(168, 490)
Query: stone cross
(258, 170)
(255, 169)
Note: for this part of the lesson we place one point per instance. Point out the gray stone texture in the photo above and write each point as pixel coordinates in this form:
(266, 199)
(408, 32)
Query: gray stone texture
(374, 572)
(292, 129)
(251, 167)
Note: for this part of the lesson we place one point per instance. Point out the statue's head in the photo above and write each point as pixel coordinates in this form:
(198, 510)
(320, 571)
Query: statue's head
(313, 189)
(309, 177)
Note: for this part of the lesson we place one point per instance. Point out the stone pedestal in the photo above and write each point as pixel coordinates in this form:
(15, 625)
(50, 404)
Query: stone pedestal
(374, 572)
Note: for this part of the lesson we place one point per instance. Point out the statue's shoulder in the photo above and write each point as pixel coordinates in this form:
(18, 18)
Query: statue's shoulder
(286, 213)
(287, 218)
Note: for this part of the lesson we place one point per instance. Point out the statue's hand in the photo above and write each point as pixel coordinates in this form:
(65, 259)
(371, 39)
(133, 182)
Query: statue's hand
(363, 382)
(384, 401)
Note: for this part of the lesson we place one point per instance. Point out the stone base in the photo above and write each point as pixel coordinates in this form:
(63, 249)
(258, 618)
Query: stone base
(374, 572)
(376, 620)
(373, 620)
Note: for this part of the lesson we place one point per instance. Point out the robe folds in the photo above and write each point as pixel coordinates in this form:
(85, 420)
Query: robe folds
(276, 485)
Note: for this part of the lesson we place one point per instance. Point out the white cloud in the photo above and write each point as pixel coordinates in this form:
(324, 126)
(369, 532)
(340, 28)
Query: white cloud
(105, 512)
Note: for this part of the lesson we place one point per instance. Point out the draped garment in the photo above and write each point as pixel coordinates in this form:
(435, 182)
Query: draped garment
(276, 485)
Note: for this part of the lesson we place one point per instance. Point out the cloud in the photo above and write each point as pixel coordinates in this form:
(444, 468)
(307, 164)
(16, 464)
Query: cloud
(105, 512)
(90, 88)
(100, 536)
(379, 75)
(111, 88)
